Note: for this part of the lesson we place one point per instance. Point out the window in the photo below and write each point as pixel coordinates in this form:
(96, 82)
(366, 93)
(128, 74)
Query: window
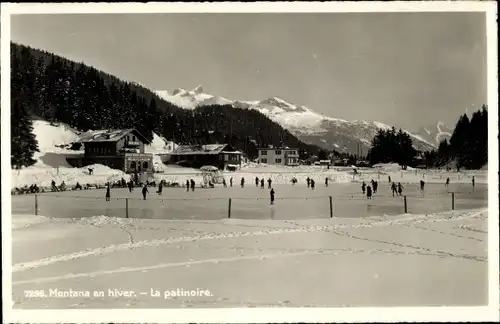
(133, 138)
(132, 165)
(278, 152)
(263, 152)
(277, 160)
(263, 160)
(226, 157)
(145, 165)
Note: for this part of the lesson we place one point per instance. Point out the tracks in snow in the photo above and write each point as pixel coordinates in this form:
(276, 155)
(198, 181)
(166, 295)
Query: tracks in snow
(130, 245)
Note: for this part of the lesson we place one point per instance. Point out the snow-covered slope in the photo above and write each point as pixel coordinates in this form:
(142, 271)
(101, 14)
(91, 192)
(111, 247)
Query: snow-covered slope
(308, 125)
(436, 133)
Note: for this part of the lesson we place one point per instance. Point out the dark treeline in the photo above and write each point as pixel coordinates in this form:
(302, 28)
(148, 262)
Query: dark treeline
(56, 89)
(467, 147)
(392, 146)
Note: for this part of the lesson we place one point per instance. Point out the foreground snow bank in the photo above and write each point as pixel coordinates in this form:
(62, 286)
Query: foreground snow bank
(43, 176)
(299, 263)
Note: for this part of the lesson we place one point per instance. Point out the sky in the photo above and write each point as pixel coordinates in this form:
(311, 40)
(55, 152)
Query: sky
(410, 70)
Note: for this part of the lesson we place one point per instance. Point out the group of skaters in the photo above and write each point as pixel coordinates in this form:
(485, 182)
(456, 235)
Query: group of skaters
(262, 183)
(370, 190)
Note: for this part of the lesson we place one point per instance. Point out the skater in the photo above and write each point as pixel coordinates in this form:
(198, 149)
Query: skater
(447, 182)
(313, 184)
(363, 187)
(130, 185)
(262, 183)
(160, 188)
(473, 182)
(192, 185)
(400, 188)
(256, 181)
(187, 185)
(389, 179)
(422, 184)
(242, 182)
(271, 193)
(308, 182)
(393, 188)
(108, 193)
(144, 192)
(231, 181)
(326, 182)
(269, 183)
(375, 187)
(368, 192)
(224, 183)
(53, 186)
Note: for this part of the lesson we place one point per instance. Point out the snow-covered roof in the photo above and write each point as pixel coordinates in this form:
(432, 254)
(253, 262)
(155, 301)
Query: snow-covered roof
(109, 135)
(199, 149)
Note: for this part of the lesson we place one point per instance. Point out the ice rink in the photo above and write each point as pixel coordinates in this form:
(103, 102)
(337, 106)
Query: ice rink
(251, 202)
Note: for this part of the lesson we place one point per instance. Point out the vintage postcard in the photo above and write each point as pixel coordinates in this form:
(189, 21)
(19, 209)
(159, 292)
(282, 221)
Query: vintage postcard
(250, 162)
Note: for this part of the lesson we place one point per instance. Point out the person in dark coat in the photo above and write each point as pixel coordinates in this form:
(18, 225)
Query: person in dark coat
(256, 181)
(269, 183)
(400, 188)
(108, 193)
(369, 192)
(447, 182)
(393, 188)
(187, 185)
(231, 181)
(363, 187)
(144, 192)
(375, 187)
(389, 179)
(308, 182)
(262, 183)
(224, 183)
(192, 185)
(313, 184)
(326, 181)
(271, 193)
(242, 182)
(422, 184)
(473, 182)
(160, 188)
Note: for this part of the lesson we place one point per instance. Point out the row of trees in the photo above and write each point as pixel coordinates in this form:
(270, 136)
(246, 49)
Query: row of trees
(392, 146)
(467, 147)
(59, 90)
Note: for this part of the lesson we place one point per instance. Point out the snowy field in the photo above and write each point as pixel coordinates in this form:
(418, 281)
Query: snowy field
(411, 260)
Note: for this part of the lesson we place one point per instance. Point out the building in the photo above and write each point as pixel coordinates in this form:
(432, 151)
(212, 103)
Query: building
(279, 155)
(121, 149)
(218, 155)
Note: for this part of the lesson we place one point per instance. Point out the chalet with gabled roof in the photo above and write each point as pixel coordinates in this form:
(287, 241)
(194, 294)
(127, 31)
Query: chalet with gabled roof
(219, 155)
(121, 149)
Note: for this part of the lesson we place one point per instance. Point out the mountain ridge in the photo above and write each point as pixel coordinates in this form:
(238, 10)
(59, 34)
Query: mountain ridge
(309, 126)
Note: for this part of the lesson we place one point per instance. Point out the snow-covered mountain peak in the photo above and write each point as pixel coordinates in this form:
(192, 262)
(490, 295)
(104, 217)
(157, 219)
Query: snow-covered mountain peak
(198, 89)
(306, 124)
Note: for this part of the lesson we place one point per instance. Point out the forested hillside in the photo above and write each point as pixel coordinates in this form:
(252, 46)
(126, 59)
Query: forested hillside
(59, 90)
